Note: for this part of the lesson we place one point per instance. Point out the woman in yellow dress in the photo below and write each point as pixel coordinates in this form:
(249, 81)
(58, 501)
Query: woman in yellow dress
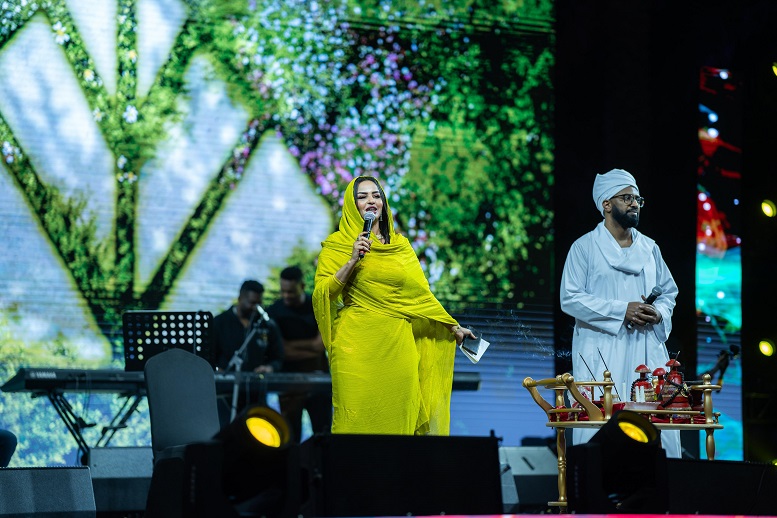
(391, 344)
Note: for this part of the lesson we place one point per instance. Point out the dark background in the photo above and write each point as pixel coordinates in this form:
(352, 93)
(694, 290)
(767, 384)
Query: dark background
(627, 95)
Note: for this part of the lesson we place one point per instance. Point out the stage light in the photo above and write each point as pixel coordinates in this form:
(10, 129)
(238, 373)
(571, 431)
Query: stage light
(768, 208)
(251, 467)
(260, 470)
(774, 68)
(264, 431)
(633, 427)
(621, 469)
(766, 347)
(633, 432)
(258, 427)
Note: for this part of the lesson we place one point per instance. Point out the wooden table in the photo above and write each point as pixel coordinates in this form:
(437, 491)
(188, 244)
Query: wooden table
(561, 416)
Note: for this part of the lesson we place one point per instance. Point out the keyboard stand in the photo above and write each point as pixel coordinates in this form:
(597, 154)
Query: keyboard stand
(75, 423)
(119, 421)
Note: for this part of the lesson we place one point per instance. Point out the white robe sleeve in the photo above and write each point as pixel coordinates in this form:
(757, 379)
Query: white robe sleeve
(605, 314)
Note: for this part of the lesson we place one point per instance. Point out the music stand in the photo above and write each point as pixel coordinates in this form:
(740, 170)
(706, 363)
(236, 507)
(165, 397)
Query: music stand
(147, 333)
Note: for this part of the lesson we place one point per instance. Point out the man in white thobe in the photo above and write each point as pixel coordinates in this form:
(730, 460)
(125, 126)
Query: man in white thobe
(607, 276)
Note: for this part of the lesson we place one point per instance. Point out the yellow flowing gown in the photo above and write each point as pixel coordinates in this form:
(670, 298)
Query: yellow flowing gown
(390, 348)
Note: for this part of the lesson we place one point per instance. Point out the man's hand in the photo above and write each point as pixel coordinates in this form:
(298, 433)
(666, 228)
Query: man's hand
(642, 314)
(649, 313)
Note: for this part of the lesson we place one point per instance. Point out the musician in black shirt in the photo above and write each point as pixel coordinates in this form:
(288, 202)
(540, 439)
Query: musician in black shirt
(231, 329)
(303, 352)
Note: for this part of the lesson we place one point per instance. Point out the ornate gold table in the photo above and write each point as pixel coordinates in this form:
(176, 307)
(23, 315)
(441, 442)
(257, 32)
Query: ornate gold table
(560, 416)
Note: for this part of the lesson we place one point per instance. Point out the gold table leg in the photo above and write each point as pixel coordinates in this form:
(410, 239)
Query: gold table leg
(710, 443)
(561, 451)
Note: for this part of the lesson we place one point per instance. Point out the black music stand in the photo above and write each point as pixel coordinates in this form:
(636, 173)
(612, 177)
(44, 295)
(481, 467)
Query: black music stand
(147, 333)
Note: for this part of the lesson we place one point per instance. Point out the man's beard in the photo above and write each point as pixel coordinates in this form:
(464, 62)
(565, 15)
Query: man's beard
(624, 218)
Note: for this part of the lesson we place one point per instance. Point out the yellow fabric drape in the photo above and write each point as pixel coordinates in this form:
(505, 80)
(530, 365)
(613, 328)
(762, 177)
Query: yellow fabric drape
(390, 349)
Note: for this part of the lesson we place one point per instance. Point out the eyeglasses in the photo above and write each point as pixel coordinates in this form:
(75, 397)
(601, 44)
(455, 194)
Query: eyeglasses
(628, 199)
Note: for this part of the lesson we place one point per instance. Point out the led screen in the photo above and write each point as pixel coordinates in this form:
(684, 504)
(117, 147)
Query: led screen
(156, 153)
(718, 254)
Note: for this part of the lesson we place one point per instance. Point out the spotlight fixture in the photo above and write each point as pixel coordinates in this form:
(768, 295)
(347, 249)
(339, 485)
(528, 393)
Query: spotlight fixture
(768, 208)
(633, 432)
(621, 469)
(766, 347)
(260, 462)
(264, 431)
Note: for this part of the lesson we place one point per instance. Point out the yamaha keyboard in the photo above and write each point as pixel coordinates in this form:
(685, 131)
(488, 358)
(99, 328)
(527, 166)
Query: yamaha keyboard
(42, 380)
(28, 379)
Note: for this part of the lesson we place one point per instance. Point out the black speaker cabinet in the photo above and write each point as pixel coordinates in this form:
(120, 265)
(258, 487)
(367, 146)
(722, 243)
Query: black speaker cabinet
(534, 471)
(121, 477)
(388, 475)
(721, 487)
(46, 492)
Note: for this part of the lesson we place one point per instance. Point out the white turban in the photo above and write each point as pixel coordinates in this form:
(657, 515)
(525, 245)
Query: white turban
(609, 184)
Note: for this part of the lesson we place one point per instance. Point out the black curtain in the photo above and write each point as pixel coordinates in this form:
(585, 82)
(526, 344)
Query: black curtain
(627, 80)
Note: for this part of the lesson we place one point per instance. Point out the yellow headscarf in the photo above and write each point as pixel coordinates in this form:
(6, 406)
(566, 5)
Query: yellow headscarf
(352, 222)
(415, 302)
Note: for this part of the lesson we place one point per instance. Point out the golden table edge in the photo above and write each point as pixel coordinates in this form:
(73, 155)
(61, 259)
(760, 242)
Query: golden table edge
(660, 426)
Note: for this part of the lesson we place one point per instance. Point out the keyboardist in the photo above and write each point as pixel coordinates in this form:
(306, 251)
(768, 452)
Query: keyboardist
(245, 323)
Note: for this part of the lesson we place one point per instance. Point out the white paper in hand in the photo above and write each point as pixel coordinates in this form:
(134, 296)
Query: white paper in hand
(474, 349)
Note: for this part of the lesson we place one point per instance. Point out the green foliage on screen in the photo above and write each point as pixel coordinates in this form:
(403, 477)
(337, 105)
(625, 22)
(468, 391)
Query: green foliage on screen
(450, 104)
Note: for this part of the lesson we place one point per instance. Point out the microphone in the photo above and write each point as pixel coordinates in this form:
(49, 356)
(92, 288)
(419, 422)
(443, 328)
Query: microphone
(369, 217)
(262, 313)
(657, 291)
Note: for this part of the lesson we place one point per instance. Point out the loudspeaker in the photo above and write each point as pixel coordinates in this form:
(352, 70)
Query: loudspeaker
(390, 475)
(46, 492)
(187, 484)
(534, 471)
(121, 477)
(509, 493)
(721, 487)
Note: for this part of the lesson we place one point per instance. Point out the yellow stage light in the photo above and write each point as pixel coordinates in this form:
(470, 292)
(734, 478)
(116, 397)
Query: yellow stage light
(264, 431)
(622, 468)
(633, 432)
(766, 347)
(260, 460)
(768, 208)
